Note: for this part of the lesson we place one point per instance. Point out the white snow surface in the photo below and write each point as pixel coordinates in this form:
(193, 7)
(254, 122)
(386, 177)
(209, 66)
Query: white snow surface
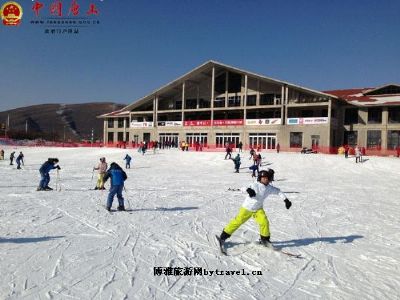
(64, 245)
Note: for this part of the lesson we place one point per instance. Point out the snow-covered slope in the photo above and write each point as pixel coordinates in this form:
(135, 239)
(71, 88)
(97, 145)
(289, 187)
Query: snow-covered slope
(63, 244)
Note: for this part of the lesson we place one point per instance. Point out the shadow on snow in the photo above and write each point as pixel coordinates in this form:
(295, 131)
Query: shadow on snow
(302, 242)
(309, 241)
(165, 208)
(29, 240)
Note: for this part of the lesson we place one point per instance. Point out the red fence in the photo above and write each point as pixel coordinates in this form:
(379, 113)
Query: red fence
(192, 147)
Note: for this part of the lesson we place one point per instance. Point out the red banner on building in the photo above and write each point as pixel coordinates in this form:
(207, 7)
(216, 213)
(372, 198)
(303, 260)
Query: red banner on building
(228, 122)
(197, 123)
(235, 122)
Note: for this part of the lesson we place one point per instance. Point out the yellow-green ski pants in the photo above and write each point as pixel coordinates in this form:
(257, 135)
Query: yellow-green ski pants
(100, 180)
(259, 216)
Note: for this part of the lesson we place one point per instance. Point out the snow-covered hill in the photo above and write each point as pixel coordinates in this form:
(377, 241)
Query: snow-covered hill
(64, 245)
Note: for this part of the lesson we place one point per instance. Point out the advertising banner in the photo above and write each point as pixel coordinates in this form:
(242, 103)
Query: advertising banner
(169, 123)
(141, 124)
(258, 122)
(307, 121)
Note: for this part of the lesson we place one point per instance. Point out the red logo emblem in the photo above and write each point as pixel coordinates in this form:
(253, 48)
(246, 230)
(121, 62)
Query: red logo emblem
(11, 13)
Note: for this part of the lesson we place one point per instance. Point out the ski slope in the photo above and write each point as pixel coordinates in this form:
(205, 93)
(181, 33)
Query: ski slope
(64, 245)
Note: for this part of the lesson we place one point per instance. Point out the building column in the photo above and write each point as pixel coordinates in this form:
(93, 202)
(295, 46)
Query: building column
(197, 97)
(282, 105)
(244, 100)
(154, 111)
(384, 133)
(105, 132)
(226, 88)
(183, 95)
(329, 124)
(258, 93)
(124, 135)
(212, 94)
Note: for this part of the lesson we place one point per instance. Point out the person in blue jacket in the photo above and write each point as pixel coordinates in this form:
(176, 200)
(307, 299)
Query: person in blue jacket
(128, 161)
(237, 162)
(118, 176)
(44, 170)
(19, 160)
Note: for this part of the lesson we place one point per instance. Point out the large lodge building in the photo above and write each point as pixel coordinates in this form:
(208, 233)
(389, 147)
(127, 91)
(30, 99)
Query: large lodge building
(215, 104)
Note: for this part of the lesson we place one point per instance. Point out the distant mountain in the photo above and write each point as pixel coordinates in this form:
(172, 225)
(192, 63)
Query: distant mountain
(54, 121)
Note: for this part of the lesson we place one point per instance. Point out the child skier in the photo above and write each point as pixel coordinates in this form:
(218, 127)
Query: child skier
(118, 176)
(357, 152)
(44, 170)
(253, 207)
(12, 155)
(128, 161)
(237, 162)
(102, 168)
(19, 160)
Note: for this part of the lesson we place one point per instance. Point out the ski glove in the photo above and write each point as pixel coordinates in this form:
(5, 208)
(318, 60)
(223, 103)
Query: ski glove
(288, 204)
(58, 167)
(251, 192)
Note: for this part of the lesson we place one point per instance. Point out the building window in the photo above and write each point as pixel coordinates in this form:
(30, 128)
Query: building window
(196, 139)
(120, 122)
(224, 139)
(267, 99)
(110, 137)
(375, 115)
(233, 101)
(234, 82)
(394, 115)
(191, 103)
(110, 123)
(350, 138)
(120, 136)
(351, 116)
(373, 139)
(393, 139)
(296, 139)
(251, 100)
(219, 102)
(204, 103)
(307, 113)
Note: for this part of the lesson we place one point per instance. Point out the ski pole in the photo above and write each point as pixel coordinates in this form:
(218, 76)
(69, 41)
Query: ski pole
(92, 174)
(58, 176)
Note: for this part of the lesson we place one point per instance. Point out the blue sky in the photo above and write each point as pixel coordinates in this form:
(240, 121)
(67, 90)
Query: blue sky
(141, 45)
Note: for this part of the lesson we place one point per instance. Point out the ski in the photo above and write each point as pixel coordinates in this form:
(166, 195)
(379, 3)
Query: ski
(280, 251)
(116, 210)
(221, 245)
(289, 254)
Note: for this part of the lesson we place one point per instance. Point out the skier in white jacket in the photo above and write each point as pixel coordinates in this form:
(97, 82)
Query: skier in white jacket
(253, 207)
(102, 169)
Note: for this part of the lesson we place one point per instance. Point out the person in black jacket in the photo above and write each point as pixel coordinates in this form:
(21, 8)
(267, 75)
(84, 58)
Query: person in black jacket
(12, 155)
(118, 176)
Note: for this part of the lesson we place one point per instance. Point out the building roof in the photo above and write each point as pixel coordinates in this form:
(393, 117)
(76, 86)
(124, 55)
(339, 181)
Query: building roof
(201, 69)
(384, 95)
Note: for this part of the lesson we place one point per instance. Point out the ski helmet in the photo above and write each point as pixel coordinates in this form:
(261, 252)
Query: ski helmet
(266, 173)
